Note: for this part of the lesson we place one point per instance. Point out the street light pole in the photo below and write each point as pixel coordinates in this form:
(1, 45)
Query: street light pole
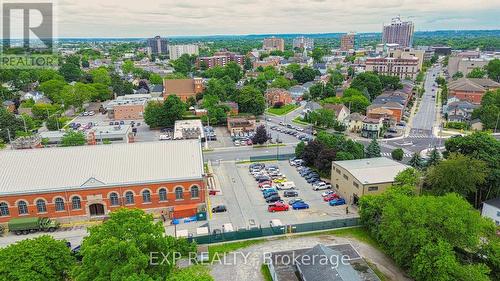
(10, 139)
(496, 124)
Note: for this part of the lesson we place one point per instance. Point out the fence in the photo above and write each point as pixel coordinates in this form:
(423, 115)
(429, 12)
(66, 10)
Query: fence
(240, 234)
(272, 157)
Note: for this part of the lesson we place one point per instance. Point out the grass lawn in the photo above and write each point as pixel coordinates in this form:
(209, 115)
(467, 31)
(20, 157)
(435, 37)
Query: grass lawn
(298, 120)
(264, 269)
(282, 110)
(360, 233)
(221, 249)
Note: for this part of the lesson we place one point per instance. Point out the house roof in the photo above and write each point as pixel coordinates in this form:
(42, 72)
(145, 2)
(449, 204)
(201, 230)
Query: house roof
(157, 88)
(355, 117)
(372, 170)
(179, 86)
(335, 107)
(465, 84)
(493, 202)
(69, 168)
(488, 83)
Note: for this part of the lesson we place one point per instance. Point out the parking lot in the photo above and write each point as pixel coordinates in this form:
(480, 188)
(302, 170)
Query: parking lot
(246, 206)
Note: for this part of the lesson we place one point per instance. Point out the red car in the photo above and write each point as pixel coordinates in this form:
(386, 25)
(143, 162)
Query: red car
(277, 207)
(265, 183)
(330, 197)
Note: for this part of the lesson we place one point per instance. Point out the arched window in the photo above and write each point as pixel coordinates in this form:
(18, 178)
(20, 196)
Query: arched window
(22, 207)
(195, 192)
(163, 194)
(76, 203)
(41, 206)
(113, 198)
(129, 197)
(146, 196)
(179, 194)
(59, 202)
(4, 209)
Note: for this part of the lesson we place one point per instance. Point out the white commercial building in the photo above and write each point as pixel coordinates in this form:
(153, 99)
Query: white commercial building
(176, 51)
(491, 209)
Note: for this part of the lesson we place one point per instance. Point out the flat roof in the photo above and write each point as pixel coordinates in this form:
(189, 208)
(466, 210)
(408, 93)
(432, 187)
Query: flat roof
(372, 170)
(66, 168)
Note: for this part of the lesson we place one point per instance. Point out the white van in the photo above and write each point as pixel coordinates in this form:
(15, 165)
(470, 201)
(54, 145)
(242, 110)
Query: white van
(287, 185)
(275, 223)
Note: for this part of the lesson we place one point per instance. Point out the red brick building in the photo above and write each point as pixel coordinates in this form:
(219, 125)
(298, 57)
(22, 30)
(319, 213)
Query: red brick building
(183, 88)
(80, 183)
(221, 59)
(471, 89)
(275, 95)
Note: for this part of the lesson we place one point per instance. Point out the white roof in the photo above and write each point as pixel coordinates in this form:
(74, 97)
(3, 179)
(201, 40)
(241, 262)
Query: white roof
(49, 169)
(372, 170)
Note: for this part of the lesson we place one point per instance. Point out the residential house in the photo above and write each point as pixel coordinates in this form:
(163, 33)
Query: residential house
(459, 111)
(297, 91)
(278, 95)
(340, 110)
(183, 88)
(156, 90)
(390, 110)
(354, 122)
(9, 105)
(371, 127)
(233, 107)
(491, 209)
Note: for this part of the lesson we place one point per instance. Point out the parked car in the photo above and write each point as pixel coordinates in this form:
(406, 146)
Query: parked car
(328, 192)
(295, 200)
(313, 180)
(277, 207)
(264, 183)
(261, 179)
(219, 209)
(337, 202)
(286, 185)
(331, 197)
(270, 193)
(321, 186)
(290, 193)
(273, 198)
(300, 205)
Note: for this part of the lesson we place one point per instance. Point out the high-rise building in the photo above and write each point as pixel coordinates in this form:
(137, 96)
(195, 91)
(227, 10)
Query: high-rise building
(398, 32)
(176, 51)
(157, 46)
(303, 43)
(273, 44)
(347, 41)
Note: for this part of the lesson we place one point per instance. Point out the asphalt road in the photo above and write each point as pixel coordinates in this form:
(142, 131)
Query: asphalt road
(424, 119)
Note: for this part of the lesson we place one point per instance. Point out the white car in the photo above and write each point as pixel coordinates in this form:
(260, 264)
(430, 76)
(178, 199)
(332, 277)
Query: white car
(321, 186)
(328, 192)
(164, 137)
(286, 185)
(91, 113)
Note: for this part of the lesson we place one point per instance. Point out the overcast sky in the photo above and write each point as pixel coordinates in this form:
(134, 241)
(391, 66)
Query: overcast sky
(146, 18)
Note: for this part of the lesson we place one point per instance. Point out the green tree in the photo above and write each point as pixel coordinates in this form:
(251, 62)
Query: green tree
(299, 149)
(40, 258)
(397, 154)
(70, 72)
(318, 54)
(158, 115)
(457, 75)
(101, 75)
(434, 157)
(128, 66)
(408, 177)
(233, 70)
(336, 78)
(251, 100)
(9, 123)
(368, 81)
(123, 246)
(321, 117)
(73, 138)
(248, 64)
(155, 79)
(390, 82)
(489, 110)
(416, 161)
(373, 149)
(442, 178)
(477, 73)
(260, 136)
(76, 95)
(493, 70)
(281, 82)
(52, 89)
(357, 103)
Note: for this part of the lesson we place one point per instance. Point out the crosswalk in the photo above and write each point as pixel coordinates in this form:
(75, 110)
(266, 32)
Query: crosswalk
(388, 154)
(418, 137)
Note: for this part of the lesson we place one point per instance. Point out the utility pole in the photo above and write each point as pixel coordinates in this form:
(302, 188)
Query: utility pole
(496, 124)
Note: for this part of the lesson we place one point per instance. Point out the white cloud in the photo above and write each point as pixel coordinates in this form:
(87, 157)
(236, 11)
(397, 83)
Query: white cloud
(144, 18)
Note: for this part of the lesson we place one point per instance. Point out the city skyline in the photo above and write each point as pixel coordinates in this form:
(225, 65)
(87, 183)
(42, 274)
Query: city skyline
(199, 18)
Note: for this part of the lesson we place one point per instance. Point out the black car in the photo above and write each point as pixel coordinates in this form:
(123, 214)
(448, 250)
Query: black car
(273, 199)
(256, 166)
(263, 179)
(290, 193)
(219, 209)
(312, 180)
(311, 175)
